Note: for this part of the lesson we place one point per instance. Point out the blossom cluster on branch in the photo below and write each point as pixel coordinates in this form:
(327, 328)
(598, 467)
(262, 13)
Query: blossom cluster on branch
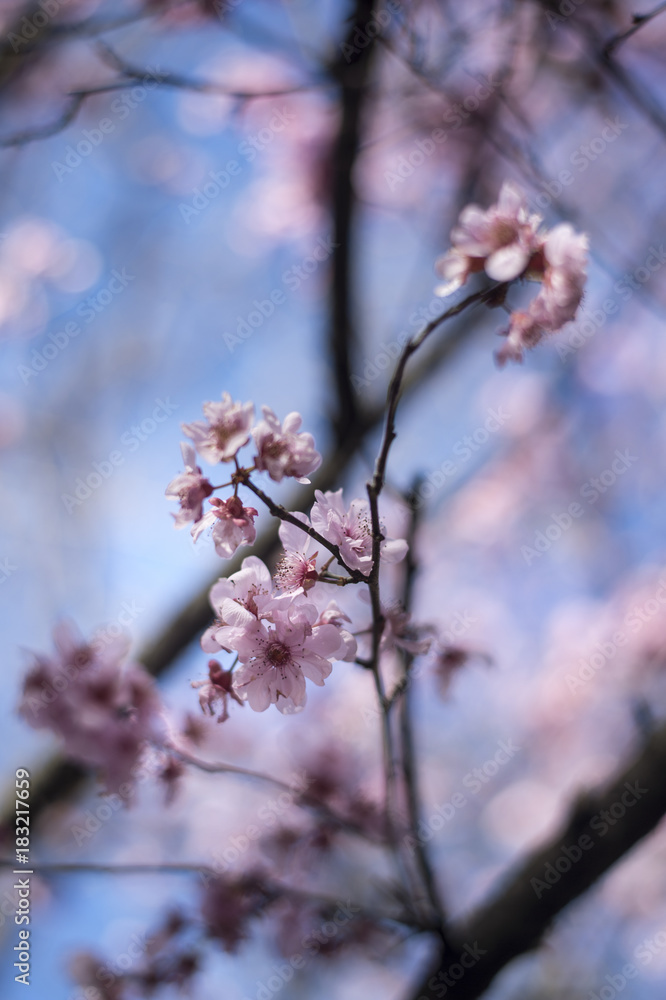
(508, 243)
(287, 627)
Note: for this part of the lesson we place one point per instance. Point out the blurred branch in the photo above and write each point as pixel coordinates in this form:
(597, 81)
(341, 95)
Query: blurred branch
(130, 76)
(303, 798)
(639, 21)
(352, 71)
(273, 887)
(133, 74)
(514, 921)
(26, 136)
(409, 769)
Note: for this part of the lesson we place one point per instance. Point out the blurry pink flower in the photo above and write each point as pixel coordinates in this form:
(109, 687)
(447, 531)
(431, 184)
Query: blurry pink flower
(190, 487)
(276, 659)
(297, 570)
(229, 905)
(564, 273)
(501, 241)
(105, 711)
(351, 531)
(227, 429)
(282, 451)
(332, 615)
(233, 525)
(401, 633)
(216, 691)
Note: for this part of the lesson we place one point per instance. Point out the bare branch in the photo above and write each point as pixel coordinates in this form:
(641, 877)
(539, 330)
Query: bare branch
(283, 514)
(639, 21)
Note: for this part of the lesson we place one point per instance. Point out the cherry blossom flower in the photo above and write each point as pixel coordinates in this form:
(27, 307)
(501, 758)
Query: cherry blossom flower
(564, 273)
(225, 430)
(104, 710)
(230, 904)
(507, 243)
(332, 615)
(281, 450)
(251, 588)
(351, 531)
(216, 691)
(399, 632)
(297, 570)
(190, 488)
(277, 657)
(501, 241)
(233, 525)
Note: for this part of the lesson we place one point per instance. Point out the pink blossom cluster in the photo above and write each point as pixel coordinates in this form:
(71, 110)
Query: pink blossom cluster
(280, 639)
(506, 242)
(105, 709)
(287, 629)
(282, 450)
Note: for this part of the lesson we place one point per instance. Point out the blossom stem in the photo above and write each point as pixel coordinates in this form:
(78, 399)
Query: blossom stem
(355, 576)
(299, 797)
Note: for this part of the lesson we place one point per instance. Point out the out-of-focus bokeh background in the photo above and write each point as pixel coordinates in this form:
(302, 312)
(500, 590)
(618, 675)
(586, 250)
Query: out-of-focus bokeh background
(143, 229)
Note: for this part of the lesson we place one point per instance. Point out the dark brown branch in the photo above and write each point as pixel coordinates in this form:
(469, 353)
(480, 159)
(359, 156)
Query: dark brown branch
(28, 135)
(283, 514)
(178, 81)
(639, 21)
(408, 755)
(352, 70)
(582, 851)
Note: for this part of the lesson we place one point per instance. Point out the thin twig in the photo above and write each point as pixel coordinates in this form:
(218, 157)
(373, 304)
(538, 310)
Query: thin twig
(374, 489)
(300, 797)
(409, 770)
(283, 514)
(639, 21)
